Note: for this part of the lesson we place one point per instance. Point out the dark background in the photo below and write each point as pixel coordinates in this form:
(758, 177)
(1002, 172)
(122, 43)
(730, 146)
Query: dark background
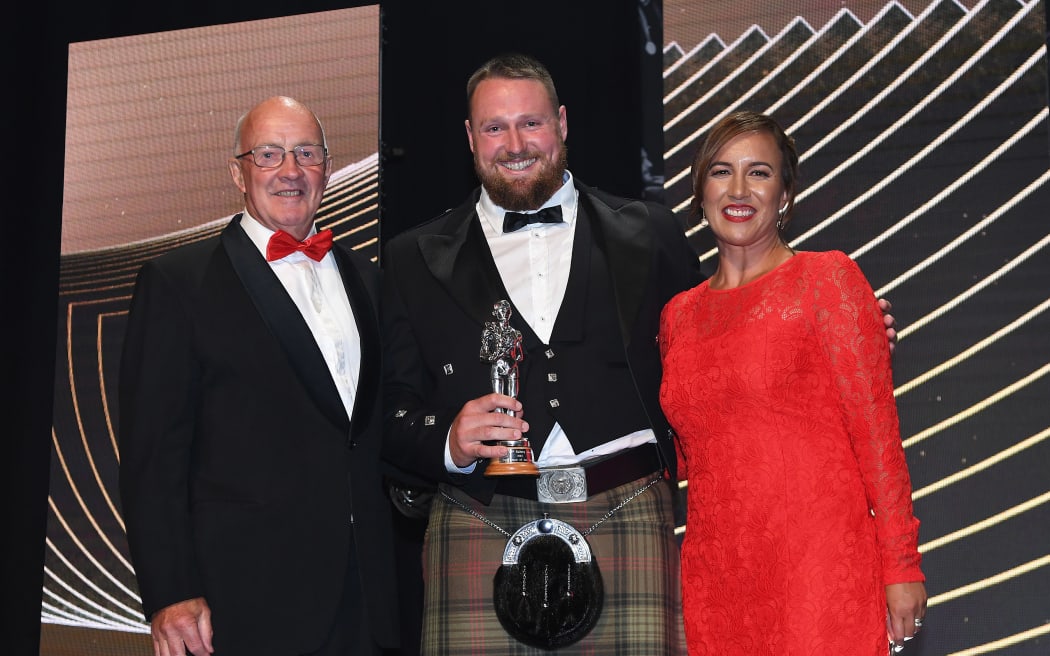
(427, 51)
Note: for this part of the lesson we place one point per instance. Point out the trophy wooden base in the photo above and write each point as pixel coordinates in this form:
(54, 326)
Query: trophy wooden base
(517, 462)
(497, 468)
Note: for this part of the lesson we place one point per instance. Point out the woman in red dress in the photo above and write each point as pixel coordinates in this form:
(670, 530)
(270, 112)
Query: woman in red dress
(800, 537)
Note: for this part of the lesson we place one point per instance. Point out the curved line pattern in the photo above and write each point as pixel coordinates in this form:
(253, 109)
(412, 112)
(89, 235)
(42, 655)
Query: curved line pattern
(89, 579)
(927, 136)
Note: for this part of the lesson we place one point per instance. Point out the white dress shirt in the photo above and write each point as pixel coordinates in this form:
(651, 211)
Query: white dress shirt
(317, 290)
(534, 265)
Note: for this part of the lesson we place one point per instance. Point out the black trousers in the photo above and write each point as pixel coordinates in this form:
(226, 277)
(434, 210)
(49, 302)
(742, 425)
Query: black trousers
(350, 635)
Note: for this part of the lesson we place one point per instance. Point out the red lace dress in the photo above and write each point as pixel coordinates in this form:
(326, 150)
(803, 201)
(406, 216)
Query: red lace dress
(799, 500)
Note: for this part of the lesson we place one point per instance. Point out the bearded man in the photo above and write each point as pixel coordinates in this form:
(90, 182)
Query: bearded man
(587, 274)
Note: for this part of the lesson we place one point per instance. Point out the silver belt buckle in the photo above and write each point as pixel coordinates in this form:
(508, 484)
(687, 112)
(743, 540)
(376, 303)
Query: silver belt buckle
(562, 485)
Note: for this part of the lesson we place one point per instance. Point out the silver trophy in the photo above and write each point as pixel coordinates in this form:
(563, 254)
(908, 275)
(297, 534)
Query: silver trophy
(501, 348)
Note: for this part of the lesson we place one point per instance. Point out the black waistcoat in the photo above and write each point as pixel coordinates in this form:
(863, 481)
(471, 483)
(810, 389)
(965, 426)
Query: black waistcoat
(581, 379)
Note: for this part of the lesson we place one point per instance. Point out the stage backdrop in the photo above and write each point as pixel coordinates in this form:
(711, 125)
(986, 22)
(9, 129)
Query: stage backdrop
(924, 141)
(922, 129)
(150, 125)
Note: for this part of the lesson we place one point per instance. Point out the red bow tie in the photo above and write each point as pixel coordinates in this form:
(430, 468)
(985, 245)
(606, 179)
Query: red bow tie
(282, 244)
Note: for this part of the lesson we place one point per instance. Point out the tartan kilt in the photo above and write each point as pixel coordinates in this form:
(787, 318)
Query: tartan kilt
(635, 549)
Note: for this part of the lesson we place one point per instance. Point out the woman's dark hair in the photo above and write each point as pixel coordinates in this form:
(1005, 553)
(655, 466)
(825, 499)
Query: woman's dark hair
(727, 129)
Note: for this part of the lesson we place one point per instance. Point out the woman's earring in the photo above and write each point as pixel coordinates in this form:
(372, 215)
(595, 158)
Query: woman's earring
(780, 218)
(703, 217)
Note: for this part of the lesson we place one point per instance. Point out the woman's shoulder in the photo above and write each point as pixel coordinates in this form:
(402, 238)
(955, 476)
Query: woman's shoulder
(688, 295)
(683, 300)
(835, 268)
(824, 257)
(827, 261)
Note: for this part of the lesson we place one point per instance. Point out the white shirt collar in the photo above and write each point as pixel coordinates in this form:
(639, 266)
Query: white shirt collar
(566, 196)
(260, 234)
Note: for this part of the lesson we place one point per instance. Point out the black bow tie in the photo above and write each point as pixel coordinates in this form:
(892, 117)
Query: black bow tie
(517, 220)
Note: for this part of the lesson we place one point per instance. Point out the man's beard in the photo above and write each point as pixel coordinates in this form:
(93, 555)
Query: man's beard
(524, 194)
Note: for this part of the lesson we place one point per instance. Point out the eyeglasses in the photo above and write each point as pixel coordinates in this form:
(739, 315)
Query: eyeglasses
(269, 157)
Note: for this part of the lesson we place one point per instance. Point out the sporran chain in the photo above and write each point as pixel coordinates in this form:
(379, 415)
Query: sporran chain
(590, 530)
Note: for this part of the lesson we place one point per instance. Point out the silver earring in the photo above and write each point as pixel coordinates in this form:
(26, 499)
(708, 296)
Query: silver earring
(703, 218)
(780, 218)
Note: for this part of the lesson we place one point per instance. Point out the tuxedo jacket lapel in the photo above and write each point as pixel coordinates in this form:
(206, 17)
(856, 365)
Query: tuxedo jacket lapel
(462, 262)
(622, 236)
(284, 320)
(368, 329)
(568, 325)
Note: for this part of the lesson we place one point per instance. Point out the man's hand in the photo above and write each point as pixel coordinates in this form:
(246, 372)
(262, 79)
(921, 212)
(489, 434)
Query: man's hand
(477, 423)
(182, 628)
(889, 322)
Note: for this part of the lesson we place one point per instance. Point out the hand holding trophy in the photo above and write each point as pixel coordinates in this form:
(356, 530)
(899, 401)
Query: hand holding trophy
(501, 347)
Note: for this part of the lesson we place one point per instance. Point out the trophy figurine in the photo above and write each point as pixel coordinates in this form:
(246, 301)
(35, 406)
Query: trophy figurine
(501, 347)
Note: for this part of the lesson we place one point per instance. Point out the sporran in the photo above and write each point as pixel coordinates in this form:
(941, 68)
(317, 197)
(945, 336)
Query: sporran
(548, 593)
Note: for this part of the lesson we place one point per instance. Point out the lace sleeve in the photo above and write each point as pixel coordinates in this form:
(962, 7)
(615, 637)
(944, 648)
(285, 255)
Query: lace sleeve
(849, 327)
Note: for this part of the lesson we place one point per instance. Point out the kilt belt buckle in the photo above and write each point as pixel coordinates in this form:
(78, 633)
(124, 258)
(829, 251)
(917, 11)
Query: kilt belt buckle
(561, 485)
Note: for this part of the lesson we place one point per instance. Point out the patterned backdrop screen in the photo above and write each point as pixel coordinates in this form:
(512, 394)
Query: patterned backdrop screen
(925, 155)
(922, 131)
(150, 125)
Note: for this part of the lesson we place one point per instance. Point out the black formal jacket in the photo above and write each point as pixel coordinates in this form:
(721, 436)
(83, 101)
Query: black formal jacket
(439, 286)
(240, 472)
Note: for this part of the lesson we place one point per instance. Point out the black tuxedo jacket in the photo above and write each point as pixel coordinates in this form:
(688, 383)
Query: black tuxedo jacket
(439, 285)
(240, 471)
